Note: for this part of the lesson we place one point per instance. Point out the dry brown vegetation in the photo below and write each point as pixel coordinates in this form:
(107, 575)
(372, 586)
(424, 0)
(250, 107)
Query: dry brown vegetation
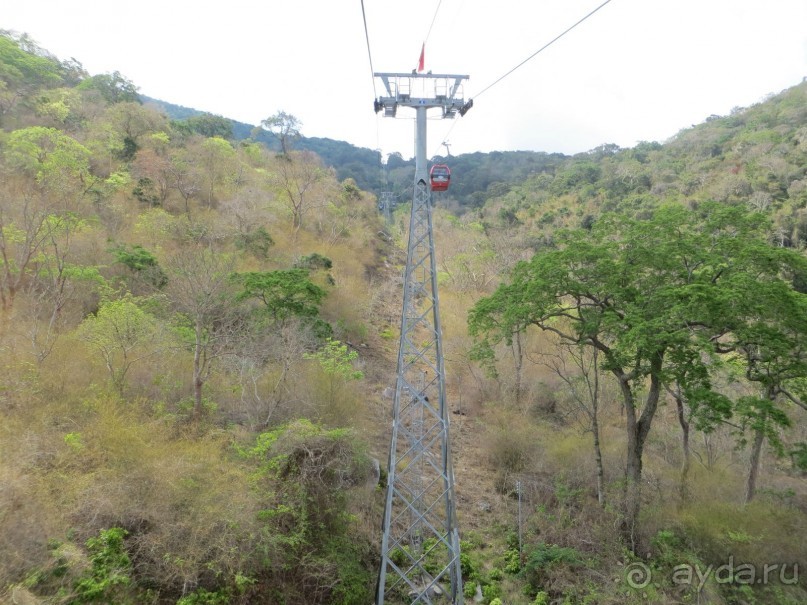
(139, 389)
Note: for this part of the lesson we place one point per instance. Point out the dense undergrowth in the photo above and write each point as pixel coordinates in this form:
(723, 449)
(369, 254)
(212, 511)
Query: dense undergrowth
(196, 334)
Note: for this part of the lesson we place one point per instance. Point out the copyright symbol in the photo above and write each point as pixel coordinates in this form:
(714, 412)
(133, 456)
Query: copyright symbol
(638, 575)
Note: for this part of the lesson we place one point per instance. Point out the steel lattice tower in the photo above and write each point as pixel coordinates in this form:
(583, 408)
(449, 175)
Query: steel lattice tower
(420, 548)
(386, 202)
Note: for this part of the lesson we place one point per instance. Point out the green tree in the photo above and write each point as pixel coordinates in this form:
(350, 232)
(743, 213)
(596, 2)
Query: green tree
(283, 294)
(45, 174)
(57, 281)
(22, 71)
(218, 162)
(56, 163)
(207, 125)
(132, 122)
(123, 334)
(142, 264)
(773, 347)
(112, 88)
(337, 361)
(644, 294)
(697, 404)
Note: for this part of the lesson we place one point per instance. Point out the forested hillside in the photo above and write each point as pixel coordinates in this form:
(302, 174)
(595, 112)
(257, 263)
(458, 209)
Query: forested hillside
(198, 326)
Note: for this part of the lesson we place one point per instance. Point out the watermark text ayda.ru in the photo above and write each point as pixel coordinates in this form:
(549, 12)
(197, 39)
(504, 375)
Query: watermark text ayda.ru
(639, 576)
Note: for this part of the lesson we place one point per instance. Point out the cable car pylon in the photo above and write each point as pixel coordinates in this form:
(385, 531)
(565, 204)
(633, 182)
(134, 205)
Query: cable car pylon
(420, 546)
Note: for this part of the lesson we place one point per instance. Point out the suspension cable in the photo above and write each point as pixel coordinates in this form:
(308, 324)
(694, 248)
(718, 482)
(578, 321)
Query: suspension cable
(369, 54)
(445, 138)
(434, 18)
(429, 33)
(544, 47)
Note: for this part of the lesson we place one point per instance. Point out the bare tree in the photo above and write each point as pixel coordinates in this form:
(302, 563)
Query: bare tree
(184, 176)
(285, 128)
(263, 367)
(201, 291)
(578, 368)
(20, 241)
(295, 179)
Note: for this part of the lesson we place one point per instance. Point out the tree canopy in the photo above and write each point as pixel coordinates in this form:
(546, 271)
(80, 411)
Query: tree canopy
(659, 299)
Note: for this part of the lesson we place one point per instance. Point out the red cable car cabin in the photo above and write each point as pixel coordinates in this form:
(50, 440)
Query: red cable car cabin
(440, 176)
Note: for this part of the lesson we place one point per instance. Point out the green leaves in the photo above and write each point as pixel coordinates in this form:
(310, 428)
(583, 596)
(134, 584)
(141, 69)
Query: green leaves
(142, 263)
(113, 88)
(642, 286)
(122, 334)
(56, 161)
(111, 567)
(19, 68)
(663, 299)
(337, 360)
(283, 293)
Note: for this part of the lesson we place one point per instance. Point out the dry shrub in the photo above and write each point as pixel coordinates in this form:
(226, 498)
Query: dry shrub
(512, 448)
(334, 401)
(261, 384)
(307, 473)
(322, 460)
(763, 532)
(25, 525)
(187, 507)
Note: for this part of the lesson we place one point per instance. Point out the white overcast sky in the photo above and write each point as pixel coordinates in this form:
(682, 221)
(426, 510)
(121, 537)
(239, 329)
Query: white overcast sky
(636, 70)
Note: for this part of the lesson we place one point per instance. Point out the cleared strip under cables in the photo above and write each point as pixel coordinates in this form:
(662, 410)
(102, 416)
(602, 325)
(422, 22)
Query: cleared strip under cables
(544, 47)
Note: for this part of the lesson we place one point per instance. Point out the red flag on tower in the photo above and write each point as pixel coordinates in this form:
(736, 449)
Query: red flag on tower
(422, 57)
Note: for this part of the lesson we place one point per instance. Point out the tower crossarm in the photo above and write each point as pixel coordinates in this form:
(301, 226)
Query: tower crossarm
(420, 90)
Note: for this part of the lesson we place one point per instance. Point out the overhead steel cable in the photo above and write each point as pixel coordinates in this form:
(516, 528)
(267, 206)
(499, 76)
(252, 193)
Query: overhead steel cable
(372, 72)
(419, 66)
(544, 47)
(434, 18)
(369, 54)
(445, 138)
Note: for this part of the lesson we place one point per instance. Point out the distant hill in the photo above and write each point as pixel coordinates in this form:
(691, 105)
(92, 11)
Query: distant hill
(476, 176)
(359, 163)
(756, 155)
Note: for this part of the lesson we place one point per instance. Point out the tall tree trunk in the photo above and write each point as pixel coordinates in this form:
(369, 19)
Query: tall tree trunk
(637, 431)
(595, 429)
(753, 473)
(594, 395)
(683, 486)
(198, 380)
(633, 468)
(633, 480)
(518, 358)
